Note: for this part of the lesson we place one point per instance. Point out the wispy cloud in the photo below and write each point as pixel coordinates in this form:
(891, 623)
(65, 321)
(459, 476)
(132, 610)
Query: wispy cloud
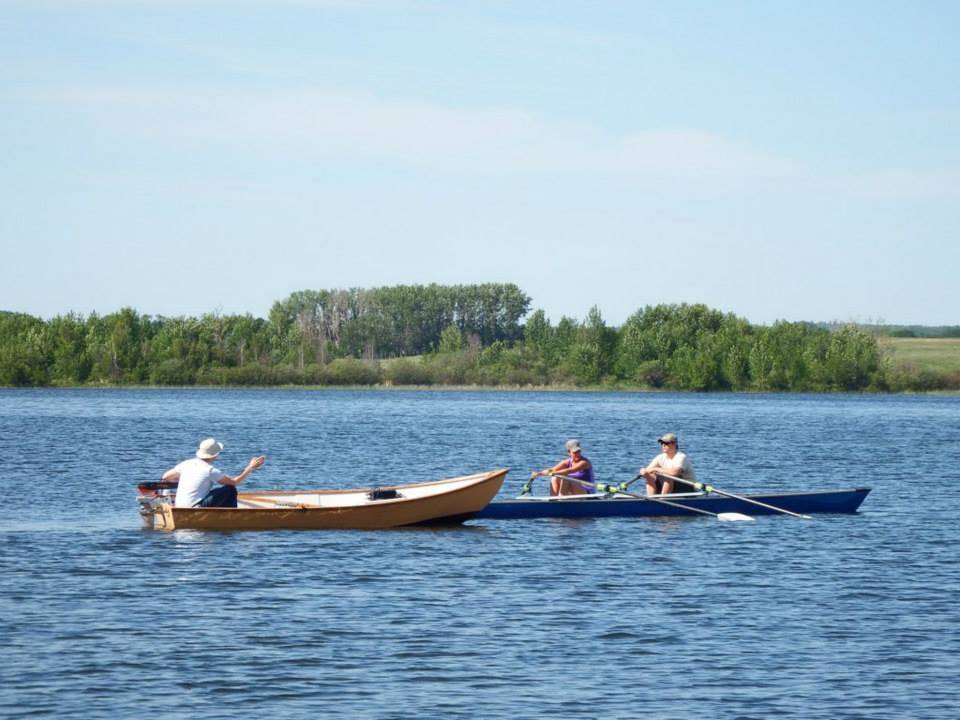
(363, 126)
(337, 126)
(198, 4)
(898, 183)
(690, 151)
(344, 127)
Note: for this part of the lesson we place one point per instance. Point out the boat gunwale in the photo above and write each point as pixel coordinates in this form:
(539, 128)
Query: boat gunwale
(482, 477)
(303, 507)
(594, 497)
(837, 501)
(410, 510)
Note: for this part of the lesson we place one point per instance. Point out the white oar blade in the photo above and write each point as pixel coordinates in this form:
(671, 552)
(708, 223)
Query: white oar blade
(733, 517)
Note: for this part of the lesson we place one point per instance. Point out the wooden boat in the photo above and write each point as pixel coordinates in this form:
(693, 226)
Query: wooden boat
(597, 505)
(442, 501)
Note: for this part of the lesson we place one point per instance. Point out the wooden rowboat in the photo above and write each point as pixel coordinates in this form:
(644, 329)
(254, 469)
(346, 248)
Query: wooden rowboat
(596, 506)
(442, 501)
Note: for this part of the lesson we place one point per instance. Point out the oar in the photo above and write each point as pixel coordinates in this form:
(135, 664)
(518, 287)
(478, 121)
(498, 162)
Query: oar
(582, 483)
(528, 485)
(726, 516)
(275, 503)
(601, 487)
(146, 487)
(711, 489)
(622, 487)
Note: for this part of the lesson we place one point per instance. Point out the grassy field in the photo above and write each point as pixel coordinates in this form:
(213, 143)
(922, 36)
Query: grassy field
(937, 355)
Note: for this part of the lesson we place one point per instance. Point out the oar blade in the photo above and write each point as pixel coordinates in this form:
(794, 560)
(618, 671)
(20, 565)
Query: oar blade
(709, 489)
(733, 517)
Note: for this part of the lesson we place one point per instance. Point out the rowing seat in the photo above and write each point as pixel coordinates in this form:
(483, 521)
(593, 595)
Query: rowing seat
(678, 487)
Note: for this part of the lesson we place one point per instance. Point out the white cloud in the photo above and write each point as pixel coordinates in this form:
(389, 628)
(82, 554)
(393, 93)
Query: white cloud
(696, 152)
(361, 126)
(899, 183)
(337, 126)
(199, 4)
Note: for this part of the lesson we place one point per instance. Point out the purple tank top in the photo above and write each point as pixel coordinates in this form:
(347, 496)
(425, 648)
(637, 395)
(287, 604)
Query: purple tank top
(586, 475)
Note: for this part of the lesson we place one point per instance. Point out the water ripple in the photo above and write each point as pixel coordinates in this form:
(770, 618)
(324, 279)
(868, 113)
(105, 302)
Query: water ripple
(839, 617)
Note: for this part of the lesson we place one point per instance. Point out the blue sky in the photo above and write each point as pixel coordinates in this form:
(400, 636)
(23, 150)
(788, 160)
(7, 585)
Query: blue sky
(777, 160)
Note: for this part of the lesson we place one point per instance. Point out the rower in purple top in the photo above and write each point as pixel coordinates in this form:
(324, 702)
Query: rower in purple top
(574, 466)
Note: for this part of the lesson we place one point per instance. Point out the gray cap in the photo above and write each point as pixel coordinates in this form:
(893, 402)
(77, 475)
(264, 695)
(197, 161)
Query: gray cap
(667, 438)
(573, 445)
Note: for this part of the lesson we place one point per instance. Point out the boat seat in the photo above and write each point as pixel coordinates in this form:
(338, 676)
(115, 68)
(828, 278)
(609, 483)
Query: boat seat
(678, 487)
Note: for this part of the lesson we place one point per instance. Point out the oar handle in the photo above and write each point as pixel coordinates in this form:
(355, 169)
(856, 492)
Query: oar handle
(624, 485)
(695, 485)
(599, 487)
(578, 481)
(146, 488)
(619, 490)
(711, 489)
(528, 485)
(602, 487)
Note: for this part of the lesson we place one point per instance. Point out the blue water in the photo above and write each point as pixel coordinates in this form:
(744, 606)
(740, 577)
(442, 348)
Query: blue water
(838, 617)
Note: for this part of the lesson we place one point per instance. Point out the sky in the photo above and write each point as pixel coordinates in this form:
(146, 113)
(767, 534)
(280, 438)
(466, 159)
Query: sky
(777, 160)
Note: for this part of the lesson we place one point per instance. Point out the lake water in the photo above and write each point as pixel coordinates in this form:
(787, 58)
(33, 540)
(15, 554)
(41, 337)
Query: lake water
(838, 617)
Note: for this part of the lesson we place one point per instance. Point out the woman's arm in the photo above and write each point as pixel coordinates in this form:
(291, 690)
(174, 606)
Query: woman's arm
(582, 464)
(562, 465)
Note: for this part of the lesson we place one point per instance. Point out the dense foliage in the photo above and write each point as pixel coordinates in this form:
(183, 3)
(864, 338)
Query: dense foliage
(918, 331)
(316, 326)
(443, 335)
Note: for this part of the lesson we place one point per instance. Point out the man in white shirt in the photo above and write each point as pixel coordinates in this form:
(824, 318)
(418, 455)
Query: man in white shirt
(669, 462)
(197, 478)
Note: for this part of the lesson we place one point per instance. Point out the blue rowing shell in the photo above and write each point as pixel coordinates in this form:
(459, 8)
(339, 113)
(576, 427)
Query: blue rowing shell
(596, 506)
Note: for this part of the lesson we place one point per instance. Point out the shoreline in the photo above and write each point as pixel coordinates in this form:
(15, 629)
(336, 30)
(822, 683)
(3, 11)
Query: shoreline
(587, 390)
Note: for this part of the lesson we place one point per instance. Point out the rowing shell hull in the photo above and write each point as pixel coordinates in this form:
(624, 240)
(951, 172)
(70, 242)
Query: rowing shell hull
(452, 500)
(597, 506)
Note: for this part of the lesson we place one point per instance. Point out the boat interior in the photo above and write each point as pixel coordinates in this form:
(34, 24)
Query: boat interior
(352, 498)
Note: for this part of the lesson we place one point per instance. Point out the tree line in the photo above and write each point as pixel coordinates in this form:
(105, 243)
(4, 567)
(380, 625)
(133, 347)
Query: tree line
(442, 335)
(304, 333)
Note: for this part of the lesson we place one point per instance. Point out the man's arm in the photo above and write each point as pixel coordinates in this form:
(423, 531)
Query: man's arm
(652, 468)
(675, 467)
(254, 463)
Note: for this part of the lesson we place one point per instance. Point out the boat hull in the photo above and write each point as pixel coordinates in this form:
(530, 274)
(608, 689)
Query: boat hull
(453, 500)
(597, 506)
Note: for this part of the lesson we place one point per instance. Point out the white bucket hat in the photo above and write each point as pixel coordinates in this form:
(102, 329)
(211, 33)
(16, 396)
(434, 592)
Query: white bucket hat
(573, 445)
(209, 449)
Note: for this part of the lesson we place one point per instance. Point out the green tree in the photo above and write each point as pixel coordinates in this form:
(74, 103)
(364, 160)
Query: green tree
(24, 359)
(70, 362)
(853, 359)
(451, 340)
(115, 343)
(589, 357)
